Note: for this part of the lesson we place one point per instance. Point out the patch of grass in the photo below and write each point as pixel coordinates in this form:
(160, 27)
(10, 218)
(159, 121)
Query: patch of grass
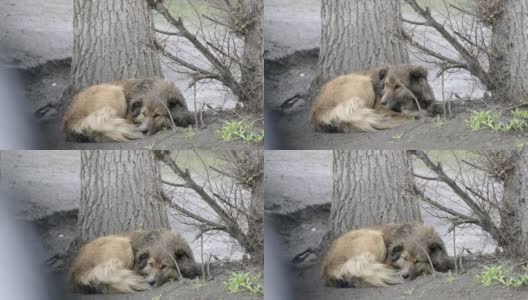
(150, 147)
(521, 114)
(450, 277)
(190, 132)
(488, 119)
(500, 275)
(409, 291)
(244, 282)
(240, 130)
(397, 136)
(439, 123)
(157, 297)
(198, 283)
(482, 119)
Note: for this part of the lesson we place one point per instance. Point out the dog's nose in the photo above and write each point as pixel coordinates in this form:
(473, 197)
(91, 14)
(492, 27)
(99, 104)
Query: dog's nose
(405, 275)
(144, 130)
(152, 282)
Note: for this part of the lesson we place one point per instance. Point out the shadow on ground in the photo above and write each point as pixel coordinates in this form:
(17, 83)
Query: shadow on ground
(187, 288)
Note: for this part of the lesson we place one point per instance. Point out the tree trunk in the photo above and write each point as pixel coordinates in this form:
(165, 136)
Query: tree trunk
(120, 191)
(252, 80)
(510, 40)
(358, 35)
(111, 42)
(256, 217)
(372, 187)
(247, 167)
(515, 221)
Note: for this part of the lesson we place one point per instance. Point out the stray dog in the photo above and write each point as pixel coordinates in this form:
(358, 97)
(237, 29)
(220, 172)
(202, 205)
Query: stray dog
(125, 110)
(383, 255)
(130, 262)
(374, 99)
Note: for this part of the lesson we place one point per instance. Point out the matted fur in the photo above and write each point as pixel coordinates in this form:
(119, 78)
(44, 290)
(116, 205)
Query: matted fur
(355, 259)
(98, 114)
(349, 101)
(132, 261)
(383, 255)
(406, 87)
(125, 110)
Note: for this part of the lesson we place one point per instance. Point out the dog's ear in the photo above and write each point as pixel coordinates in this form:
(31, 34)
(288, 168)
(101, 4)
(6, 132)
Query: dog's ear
(180, 253)
(141, 259)
(381, 73)
(434, 247)
(396, 252)
(135, 107)
(418, 72)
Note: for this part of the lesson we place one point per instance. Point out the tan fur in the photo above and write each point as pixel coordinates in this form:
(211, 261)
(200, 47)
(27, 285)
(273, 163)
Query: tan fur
(349, 101)
(379, 255)
(105, 266)
(99, 112)
(125, 110)
(132, 261)
(356, 258)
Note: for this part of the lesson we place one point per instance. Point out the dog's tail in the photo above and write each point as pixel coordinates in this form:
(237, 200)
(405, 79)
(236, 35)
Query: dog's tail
(109, 278)
(361, 271)
(351, 114)
(103, 125)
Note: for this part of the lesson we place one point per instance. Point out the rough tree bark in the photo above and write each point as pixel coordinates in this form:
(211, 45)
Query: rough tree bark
(511, 40)
(120, 191)
(515, 219)
(359, 34)
(111, 42)
(372, 187)
(255, 170)
(252, 67)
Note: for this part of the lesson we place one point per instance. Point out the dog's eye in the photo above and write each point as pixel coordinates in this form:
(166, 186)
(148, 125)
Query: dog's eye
(156, 116)
(143, 256)
(163, 267)
(397, 86)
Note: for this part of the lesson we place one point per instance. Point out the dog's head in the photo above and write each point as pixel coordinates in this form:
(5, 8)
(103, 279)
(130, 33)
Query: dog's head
(403, 86)
(159, 264)
(414, 258)
(154, 112)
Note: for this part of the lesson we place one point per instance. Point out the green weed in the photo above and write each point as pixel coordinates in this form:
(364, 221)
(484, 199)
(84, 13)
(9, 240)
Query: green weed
(243, 282)
(409, 291)
(500, 275)
(450, 277)
(240, 130)
(439, 123)
(198, 283)
(487, 119)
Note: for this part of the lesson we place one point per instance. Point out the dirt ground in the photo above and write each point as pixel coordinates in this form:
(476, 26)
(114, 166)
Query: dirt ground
(291, 58)
(187, 288)
(37, 39)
